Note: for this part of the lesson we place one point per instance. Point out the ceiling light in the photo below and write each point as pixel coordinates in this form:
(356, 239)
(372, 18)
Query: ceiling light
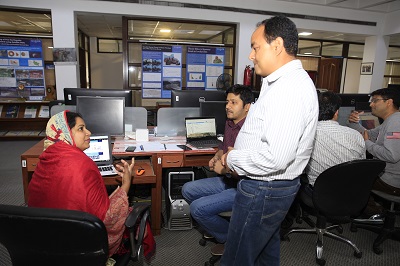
(304, 33)
(165, 30)
(308, 53)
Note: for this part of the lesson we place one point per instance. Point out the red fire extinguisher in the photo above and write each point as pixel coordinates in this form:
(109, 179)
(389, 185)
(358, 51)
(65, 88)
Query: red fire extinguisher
(247, 76)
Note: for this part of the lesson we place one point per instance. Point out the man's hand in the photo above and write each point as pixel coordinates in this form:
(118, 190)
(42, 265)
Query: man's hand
(219, 168)
(354, 117)
(225, 156)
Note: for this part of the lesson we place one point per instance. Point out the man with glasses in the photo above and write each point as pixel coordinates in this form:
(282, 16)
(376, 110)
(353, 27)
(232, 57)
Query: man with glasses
(383, 142)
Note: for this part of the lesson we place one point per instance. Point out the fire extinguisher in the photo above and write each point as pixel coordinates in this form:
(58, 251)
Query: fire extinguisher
(247, 76)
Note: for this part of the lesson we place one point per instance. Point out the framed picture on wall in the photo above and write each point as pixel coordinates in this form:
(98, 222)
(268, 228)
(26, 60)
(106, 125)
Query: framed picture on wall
(366, 68)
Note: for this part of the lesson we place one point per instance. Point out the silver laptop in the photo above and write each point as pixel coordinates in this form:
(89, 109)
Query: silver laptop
(100, 152)
(201, 132)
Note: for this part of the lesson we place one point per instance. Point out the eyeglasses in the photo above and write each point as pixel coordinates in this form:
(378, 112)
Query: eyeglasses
(375, 100)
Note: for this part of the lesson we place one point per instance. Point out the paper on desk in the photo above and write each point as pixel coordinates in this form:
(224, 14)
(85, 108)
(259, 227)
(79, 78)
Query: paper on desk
(150, 146)
(172, 147)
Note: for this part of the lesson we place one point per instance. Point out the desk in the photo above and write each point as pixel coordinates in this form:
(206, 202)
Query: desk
(157, 161)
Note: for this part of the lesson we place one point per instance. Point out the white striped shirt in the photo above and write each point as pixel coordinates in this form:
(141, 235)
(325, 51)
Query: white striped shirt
(276, 140)
(334, 144)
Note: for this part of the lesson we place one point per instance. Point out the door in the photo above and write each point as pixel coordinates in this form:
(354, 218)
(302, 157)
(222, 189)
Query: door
(329, 73)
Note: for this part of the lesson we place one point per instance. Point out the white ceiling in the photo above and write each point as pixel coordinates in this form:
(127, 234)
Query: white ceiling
(110, 26)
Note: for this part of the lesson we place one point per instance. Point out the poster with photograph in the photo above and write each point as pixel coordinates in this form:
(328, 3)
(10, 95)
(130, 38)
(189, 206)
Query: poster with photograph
(204, 65)
(21, 67)
(161, 70)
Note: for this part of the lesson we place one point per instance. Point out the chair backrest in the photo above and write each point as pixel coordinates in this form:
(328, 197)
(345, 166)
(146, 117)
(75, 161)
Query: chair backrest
(344, 189)
(59, 108)
(39, 236)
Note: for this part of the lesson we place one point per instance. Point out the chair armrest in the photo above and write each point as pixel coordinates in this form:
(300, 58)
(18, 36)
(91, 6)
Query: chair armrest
(138, 216)
(137, 212)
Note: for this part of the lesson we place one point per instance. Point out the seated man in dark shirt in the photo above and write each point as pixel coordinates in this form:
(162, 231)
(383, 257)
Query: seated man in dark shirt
(210, 196)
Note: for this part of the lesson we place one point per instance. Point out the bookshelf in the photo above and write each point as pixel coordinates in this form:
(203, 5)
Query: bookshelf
(22, 119)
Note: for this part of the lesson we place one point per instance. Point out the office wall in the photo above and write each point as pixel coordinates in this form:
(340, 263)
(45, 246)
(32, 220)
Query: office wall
(105, 68)
(352, 76)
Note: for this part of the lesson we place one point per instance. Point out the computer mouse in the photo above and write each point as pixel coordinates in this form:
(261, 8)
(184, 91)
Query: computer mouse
(140, 171)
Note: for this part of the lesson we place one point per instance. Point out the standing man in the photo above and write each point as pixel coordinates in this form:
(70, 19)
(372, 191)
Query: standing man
(383, 142)
(272, 148)
(210, 196)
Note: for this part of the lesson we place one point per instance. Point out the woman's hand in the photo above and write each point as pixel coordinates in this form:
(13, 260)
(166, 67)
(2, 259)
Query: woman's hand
(125, 172)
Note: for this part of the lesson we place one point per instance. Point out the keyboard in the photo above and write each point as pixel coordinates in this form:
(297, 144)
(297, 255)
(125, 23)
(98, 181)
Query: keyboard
(107, 170)
(209, 143)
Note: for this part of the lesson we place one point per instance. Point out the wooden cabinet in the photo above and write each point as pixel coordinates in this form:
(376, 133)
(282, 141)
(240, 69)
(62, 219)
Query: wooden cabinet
(20, 119)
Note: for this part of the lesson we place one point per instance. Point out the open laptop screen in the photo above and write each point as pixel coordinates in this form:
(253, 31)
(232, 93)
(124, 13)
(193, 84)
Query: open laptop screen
(99, 150)
(200, 127)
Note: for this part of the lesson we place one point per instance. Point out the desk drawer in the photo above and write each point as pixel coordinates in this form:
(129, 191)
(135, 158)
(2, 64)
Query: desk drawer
(31, 164)
(172, 160)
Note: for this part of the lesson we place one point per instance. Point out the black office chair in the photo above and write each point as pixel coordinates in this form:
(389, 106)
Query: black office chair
(386, 228)
(41, 236)
(339, 193)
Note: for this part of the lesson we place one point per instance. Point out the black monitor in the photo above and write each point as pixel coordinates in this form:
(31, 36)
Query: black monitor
(215, 109)
(70, 94)
(102, 115)
(192, 98)
(350, 99)
(393, 86)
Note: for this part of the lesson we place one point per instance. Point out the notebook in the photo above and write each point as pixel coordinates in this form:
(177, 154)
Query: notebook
(201, 132)
(100, 152)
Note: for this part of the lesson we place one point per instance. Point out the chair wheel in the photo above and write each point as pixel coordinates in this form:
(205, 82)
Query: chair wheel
(321, 262)
(339, 229)
(358, 254)
(202, 242)
(378, 250)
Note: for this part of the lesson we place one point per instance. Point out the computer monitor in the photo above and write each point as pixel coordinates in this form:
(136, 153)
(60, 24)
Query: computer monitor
(350, 99)
(102, 115)
(70, 94)
(217, 110)
(192, 98)
(350, 102)
(393, 86)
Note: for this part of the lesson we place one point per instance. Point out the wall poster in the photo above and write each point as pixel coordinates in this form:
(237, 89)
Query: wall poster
(161, 70)
(203, 67)
(21, 68)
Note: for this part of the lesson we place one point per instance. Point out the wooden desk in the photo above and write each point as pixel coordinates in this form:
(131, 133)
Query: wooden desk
(153, 175)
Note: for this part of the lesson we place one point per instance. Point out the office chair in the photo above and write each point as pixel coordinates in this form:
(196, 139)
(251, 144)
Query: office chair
(340, 192)
(386, 228)
(41, 236)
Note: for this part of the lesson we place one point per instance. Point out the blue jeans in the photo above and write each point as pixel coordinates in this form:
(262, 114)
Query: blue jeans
(208, 197)
(259, 208)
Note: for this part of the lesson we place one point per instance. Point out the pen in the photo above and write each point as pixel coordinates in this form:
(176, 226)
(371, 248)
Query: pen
(165, 147)
(141, 147)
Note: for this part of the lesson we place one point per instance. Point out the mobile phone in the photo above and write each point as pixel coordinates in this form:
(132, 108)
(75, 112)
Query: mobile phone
(130, 149)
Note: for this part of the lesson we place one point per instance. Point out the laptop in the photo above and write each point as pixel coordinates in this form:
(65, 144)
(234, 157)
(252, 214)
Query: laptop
(100, 152)
(201, 132)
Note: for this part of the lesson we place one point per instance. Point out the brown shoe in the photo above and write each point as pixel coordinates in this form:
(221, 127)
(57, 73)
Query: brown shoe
(218, 250)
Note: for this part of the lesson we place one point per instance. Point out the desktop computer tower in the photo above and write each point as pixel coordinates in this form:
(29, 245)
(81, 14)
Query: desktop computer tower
(178, 210)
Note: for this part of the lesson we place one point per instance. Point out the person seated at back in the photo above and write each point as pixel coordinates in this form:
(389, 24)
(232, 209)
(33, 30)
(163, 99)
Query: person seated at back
(210, 196)
(333, 144)
(383, 142)
(66, 178)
